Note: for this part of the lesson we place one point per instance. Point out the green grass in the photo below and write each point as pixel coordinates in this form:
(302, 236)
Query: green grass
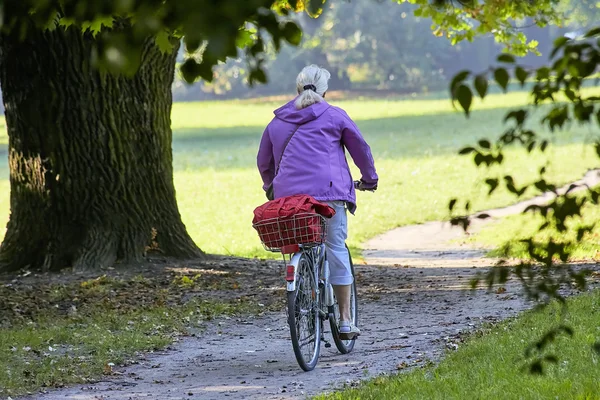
(489, 365)
(58, 334)
(54, 353)
(414, 143)
(505, 235)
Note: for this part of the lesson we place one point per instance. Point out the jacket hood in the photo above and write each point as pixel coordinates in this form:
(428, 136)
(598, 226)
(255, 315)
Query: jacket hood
(289, 113)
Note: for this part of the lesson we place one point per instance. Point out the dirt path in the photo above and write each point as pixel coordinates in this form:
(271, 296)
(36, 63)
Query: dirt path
(412, 310)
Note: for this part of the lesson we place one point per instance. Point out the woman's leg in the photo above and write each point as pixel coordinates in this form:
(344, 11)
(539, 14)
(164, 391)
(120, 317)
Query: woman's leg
(340, 273)
(343, 294)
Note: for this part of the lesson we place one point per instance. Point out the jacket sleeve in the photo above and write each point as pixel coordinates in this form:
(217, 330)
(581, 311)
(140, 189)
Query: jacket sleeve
(265, 159)
(359, 150)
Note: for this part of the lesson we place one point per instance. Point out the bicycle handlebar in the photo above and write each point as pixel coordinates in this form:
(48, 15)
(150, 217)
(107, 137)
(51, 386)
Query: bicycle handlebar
(360, 185)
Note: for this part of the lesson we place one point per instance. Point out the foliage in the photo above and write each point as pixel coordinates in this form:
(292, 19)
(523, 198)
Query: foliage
(558, 94)
(212, 34)
(483, 366)
(580, 13)
(121, 27)
(383, 45)
(465, 19)
(505, 236)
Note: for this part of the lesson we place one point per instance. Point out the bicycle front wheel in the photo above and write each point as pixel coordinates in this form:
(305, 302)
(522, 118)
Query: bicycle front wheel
(344, 345)
(303, 316)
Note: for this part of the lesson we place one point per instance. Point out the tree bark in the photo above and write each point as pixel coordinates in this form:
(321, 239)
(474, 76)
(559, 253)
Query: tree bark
(90, 156)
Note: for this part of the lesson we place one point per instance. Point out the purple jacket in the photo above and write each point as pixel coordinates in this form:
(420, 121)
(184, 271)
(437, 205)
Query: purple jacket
(314, 161)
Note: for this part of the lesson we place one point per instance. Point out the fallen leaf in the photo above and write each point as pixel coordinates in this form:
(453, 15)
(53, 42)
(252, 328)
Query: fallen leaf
(108, 369)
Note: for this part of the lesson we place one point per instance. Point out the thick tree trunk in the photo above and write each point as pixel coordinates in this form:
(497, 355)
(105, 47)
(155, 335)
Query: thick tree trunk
(90, 156)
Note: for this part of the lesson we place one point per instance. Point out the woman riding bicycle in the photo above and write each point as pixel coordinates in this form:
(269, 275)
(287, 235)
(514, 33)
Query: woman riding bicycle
(314, 134)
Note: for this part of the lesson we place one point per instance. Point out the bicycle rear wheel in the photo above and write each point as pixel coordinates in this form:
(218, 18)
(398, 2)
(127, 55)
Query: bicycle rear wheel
(344, 345)
(303, 315)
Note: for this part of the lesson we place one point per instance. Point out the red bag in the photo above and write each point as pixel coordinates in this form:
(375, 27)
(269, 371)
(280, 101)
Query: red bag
(291, 220)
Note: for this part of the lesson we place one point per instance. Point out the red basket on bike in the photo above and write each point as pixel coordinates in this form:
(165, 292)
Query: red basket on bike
(303, 228)
(291, 220)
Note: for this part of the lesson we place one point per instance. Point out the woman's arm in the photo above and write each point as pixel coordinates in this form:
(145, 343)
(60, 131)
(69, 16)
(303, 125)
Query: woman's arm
(265, 160)
(359, 151)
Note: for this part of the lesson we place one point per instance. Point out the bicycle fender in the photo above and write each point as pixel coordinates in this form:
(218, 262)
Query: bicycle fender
(294, 261)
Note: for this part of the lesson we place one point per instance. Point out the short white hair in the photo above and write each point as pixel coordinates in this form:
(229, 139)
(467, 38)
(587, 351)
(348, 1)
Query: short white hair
(312, 85)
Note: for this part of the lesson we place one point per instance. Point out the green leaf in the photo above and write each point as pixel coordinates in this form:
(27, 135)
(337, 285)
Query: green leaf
(521, 74)
(66, 22)
(592, 33)
(292, 33)
(464, 97)
(244, 39)
(543, 73)
(458, 79)
(481, 85)
(192, 70)
(205, 71)
(483, 143)
(559, 44)
(561, 41)
(506, 58)
(501, 77)
(492, 183)
(257, 75)
(96, 25)
(451, 204)
(518, 115)
(478, 159)
(192, 44)
(163, 41)
(314, 8)
(466, 150)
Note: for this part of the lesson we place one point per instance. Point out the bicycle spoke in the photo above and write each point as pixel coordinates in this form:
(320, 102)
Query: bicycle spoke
(308, 340)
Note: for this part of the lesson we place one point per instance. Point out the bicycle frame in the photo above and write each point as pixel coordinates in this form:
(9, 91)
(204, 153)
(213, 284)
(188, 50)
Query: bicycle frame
(321, 259)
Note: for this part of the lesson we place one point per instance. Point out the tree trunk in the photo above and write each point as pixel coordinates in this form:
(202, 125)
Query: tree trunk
(90, 156)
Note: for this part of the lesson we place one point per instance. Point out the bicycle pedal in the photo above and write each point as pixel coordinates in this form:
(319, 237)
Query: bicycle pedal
(348, 336)
(327, 344)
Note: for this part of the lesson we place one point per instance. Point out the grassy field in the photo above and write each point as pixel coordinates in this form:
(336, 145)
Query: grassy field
(489, 366)
(414, 143)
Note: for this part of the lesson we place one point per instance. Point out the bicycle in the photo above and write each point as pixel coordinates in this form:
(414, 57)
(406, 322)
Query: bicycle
(310, 297)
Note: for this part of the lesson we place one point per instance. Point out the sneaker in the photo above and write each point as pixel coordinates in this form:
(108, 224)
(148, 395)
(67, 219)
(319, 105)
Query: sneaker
(348, 330)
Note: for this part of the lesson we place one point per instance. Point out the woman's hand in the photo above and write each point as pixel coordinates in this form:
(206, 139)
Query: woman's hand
(364, 186)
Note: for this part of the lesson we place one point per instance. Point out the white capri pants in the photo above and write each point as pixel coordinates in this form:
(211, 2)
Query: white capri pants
(335, 244)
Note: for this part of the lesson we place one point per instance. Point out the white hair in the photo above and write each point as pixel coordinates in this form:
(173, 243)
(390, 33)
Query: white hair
(316, 78)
